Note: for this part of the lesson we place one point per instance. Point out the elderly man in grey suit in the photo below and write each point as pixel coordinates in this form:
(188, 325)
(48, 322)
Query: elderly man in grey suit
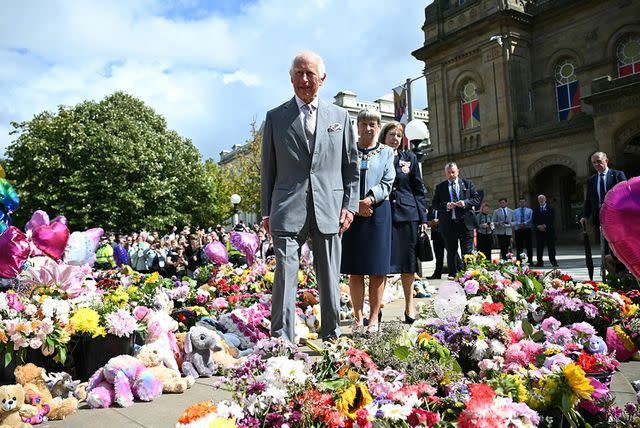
(309, 187)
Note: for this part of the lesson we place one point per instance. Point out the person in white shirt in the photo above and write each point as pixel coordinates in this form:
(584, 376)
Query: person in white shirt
(503, 222)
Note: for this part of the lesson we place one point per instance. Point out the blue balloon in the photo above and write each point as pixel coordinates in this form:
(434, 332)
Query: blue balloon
(5, 221)
(9, 199)
(120, 255)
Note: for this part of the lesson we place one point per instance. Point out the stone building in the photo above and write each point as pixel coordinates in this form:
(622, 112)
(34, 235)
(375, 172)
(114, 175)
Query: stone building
(522, 92)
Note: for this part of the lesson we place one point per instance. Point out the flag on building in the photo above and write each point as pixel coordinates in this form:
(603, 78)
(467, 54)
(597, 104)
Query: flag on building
(401, 111)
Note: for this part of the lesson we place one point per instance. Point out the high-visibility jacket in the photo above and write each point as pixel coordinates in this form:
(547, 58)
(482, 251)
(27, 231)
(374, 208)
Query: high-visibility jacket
(104, 256)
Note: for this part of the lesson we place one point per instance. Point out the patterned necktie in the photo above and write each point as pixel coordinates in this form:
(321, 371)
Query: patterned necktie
(603, 191)
(522, 215)
(454, 197)
(309, 123)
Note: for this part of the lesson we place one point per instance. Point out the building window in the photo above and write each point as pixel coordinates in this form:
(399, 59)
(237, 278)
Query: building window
(628, 54)
(567, 90)
(470, 106)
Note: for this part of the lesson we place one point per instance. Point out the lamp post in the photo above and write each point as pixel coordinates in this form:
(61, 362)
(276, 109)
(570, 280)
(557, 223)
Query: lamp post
(235, 200)
(408, 87)
(418, 135)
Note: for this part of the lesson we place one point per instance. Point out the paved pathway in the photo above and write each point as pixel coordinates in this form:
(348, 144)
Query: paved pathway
(164, 411)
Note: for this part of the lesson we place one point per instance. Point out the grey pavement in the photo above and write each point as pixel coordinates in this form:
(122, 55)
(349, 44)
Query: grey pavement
(164, 411)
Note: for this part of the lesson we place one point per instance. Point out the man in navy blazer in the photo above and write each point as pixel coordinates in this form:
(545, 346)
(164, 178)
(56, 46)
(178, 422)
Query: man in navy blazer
(454, 199)
(595, 194)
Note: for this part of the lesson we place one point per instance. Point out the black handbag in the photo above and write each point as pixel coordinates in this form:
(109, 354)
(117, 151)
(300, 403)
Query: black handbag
(423, 248)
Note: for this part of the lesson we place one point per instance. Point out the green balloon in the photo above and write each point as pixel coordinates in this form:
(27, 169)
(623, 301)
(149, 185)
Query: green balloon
(9, 199)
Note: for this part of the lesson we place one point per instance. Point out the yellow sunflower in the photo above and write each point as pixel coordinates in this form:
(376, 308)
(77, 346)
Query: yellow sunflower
(353, 398)
(579, 383)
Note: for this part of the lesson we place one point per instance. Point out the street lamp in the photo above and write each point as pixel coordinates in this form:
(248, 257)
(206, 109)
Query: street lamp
(418, 135)
(235, 200)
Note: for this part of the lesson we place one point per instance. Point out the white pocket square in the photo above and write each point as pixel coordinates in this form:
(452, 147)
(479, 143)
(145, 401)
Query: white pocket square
(335, 127)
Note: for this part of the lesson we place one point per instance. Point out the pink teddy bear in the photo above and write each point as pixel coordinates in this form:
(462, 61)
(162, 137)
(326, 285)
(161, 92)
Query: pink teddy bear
(122, 379)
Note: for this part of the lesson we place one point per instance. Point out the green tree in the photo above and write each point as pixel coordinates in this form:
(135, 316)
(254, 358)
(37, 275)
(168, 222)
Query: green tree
(112, 164)
(243, 172)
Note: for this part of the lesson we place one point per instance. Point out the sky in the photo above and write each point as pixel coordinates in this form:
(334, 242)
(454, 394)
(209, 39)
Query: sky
(210, 67)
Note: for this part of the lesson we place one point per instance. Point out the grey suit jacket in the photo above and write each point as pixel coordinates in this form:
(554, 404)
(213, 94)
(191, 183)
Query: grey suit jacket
(289, 171)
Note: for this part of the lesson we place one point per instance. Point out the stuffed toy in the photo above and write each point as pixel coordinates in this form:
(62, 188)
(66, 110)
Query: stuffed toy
(41, 412)
(171, 379)
(346, 311)
(61, 384)
(230, 342)
(121, 380)
(161, 337)
(199, 343)
(33, 380)
(12, 399)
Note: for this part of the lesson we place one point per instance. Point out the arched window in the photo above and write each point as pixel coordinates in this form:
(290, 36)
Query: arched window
(567, 90)
(628, 55)
(470, 106)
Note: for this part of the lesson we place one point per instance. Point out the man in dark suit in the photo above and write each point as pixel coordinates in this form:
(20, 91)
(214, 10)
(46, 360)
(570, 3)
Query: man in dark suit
(543, 217)
(597, 187)
(454, 199)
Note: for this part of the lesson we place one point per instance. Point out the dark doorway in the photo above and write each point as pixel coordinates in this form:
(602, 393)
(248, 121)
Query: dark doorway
(558, 184)
(629, 160)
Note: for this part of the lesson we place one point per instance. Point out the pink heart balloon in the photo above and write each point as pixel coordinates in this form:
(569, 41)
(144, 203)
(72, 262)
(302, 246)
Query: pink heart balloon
(217, 252)
(38, 218)
(14, 251)
(620, 226)
(51, 239)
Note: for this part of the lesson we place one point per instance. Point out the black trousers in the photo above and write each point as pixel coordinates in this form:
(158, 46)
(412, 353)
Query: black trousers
(504, 242)
(485, 243)
(524, 239)
(438, 250)
(458, 234)
(547, 239)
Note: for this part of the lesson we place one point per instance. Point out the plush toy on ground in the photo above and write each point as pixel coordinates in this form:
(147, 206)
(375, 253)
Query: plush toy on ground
(161, 336)
(121, 380)
(61, 384)
(12, 400)
(199, 343)
(171, 379)
(41, 412)
(32, 378)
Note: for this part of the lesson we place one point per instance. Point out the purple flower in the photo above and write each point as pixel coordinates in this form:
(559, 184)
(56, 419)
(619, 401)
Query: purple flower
(550, 324)
(583, 328)
(630, 408)
(471, 286)
(256, 388)
(274, 420)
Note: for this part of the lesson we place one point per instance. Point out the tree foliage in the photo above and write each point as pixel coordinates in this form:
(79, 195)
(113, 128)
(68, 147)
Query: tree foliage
(112, 164)
(242, 174)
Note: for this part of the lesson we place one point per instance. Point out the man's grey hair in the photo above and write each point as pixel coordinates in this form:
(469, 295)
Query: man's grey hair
(601, 155)
(312, 56)
(450, 165)
(369, 113)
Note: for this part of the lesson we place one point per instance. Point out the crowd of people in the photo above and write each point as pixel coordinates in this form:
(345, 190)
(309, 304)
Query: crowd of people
(178, 252)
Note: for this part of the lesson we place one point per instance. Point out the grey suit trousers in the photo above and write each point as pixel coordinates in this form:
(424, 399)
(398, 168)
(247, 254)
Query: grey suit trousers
(327, 250)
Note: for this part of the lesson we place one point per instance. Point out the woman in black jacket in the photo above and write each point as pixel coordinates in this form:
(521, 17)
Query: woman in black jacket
(409, 213)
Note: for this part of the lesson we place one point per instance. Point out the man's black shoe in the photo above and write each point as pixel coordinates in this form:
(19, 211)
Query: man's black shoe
(435, 276)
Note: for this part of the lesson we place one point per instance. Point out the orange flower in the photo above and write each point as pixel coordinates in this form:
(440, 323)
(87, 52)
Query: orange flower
(197, 411)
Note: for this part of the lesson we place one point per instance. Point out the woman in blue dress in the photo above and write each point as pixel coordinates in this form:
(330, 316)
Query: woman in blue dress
(366, 245)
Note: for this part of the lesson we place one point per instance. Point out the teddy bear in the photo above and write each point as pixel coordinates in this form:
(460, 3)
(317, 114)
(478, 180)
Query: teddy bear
(171, 379)
(12, 398)
(161, 337)
(121, 380)
(32, 378)
(199, 344)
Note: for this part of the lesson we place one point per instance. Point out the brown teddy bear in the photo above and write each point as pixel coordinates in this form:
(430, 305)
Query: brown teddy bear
(32, 378)
(12, 406)
(171, 379)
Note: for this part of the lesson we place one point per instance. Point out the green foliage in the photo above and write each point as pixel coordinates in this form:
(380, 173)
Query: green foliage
(112, 164)
(242, 174)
